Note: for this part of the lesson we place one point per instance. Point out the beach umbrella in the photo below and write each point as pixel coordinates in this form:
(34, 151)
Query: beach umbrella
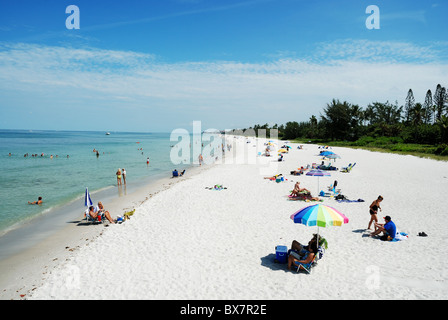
(318, 173)
(319, 215)
(326, 153)
(333, 156)
(87, 201)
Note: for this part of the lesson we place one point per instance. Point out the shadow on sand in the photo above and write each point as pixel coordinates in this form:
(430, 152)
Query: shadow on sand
(269, 261)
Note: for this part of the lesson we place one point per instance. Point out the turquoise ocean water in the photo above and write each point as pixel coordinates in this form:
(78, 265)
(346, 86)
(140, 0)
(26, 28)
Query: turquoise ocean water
(61, 179)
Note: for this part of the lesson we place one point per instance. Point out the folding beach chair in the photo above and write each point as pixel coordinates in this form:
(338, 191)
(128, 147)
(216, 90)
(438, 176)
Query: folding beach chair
(349, 168)
(89, 219)
(305, 266)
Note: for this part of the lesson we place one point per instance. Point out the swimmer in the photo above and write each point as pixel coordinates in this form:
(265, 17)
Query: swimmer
(39, 201)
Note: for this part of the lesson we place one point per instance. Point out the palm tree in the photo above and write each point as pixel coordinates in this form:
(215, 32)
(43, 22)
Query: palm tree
(417, 114)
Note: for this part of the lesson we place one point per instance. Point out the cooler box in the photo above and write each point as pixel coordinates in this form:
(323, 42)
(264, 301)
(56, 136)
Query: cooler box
(281, 254)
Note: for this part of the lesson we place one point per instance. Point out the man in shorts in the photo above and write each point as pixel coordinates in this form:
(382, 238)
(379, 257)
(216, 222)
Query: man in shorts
(389, 229)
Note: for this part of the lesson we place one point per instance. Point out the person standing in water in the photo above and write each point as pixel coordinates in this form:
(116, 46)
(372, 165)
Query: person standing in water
(123, 172)
(118, 173)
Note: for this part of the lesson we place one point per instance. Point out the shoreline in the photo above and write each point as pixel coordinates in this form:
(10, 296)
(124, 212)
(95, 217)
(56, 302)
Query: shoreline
(23, 267)
(227, 238)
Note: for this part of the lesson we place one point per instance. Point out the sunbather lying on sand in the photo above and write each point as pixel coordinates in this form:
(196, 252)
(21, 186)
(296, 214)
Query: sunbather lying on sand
(297, 172)
(274, 177)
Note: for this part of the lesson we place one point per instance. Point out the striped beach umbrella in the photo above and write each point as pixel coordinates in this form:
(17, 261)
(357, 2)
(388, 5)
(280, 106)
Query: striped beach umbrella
(87, 201)
(319, 215)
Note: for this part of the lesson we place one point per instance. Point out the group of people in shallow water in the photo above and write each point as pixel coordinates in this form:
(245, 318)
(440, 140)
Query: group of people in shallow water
(35, 155)
(121, 173)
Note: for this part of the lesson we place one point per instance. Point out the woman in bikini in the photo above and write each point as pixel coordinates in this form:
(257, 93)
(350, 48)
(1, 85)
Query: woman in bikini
(297, 190)
(374, 210)
(118, 177)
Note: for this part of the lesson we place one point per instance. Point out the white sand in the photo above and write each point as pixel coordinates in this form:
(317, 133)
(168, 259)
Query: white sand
(189, 242)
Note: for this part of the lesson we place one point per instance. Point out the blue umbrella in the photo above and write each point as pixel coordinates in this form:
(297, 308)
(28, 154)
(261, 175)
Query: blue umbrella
(87, 201)
(333, 156)
(326, 153)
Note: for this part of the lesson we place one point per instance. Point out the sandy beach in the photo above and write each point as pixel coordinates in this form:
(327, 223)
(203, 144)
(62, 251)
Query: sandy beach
(186, 241)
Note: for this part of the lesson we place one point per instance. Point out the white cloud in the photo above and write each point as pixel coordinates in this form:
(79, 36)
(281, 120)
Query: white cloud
(223, 94)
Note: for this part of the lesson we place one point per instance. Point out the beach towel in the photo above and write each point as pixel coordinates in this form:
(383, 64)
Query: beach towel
(400, 236)
(304, 199)
(216, 187)
(346, 200)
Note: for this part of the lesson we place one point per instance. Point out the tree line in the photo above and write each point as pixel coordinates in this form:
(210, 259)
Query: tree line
(412, 123)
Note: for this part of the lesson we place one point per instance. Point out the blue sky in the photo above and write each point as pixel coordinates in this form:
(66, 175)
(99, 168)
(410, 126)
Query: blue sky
(160, 65)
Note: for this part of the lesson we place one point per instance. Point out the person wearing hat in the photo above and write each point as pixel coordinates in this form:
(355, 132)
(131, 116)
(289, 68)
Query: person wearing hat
(389, 229)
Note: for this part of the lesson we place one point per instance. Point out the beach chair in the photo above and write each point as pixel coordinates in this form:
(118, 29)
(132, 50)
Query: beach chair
(305, 266)
(333, 188)
(349, 168)
(91, 220)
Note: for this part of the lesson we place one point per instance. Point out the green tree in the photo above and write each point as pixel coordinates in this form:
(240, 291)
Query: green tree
(440, 100)
(337, 120)
(291, 130)
(443, 124)
(385, 113)
(417, 114)
(428, 107)
(409, 105)
(313, 127)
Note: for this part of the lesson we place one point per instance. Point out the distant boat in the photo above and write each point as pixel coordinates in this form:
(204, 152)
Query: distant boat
(107, 133)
